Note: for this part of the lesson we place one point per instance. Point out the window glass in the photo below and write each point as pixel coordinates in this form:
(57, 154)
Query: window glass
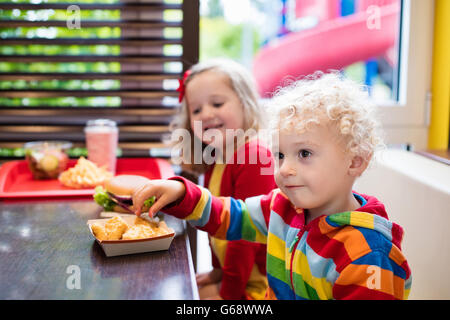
(286, 39)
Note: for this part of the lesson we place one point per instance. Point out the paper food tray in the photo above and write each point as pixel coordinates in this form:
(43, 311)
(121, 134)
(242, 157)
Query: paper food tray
(123, 247)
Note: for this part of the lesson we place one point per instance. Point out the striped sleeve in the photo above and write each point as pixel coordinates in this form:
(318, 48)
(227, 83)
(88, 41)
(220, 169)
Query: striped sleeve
(373, 276)
(222, 217)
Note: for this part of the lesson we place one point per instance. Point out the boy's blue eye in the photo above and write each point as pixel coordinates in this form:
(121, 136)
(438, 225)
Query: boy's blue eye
(217, 104)
(279, 155)
(304, 153)
(196, 111)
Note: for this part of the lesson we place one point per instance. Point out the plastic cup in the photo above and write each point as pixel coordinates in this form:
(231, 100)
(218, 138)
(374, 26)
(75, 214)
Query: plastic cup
(102, 138)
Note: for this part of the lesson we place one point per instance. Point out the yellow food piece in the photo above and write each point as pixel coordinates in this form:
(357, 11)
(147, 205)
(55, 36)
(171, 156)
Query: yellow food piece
(49, 162)
(161, 229)
(85, 174)
(139, 221)
(139, 231)
(117, 229)
(99, 231)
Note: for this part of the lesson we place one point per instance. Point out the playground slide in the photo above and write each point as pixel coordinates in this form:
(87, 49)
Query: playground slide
(334, 44)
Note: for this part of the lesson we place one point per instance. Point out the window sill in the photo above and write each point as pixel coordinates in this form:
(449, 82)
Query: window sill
(442, 156)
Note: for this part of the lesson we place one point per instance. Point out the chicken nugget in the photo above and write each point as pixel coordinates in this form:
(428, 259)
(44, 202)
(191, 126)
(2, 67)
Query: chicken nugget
(115, 227)
(140, 221)
(161, 229)
(99, 231)
(139, 231)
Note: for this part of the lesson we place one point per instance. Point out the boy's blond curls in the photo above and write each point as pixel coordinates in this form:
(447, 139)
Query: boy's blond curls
(334, 99)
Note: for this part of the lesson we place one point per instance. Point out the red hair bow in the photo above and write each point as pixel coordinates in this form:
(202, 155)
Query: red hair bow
(182, 87)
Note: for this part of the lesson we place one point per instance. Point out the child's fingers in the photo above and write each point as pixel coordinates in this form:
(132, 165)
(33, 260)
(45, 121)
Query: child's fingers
(165, 192)
(158, 205)
(140, 195)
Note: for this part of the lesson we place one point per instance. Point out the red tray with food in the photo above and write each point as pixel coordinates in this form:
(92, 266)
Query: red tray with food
(16, 179)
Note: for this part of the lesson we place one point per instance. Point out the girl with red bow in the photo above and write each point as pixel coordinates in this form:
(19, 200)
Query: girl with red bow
(219, 98)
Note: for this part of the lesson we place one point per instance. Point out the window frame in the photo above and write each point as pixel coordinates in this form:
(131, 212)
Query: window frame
(407, 120)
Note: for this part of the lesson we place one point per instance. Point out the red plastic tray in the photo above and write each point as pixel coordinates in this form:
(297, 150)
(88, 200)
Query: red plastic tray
(16, 180)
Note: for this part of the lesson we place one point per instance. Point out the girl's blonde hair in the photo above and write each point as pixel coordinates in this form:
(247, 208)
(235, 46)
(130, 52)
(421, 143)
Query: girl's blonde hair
(334, 98)
(242, 83)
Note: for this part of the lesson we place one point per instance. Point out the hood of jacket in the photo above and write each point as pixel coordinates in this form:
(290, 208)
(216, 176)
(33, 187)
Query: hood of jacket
(371, 215)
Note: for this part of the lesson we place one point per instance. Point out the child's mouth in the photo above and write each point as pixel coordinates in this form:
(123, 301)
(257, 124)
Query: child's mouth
(218, 126)
(293, 187)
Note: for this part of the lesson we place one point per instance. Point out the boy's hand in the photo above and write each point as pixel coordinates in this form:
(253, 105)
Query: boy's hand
(165, 191)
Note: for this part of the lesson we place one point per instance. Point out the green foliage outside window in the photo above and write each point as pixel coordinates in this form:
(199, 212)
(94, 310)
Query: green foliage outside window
(63, 67)
(218, 38)
(66, 67)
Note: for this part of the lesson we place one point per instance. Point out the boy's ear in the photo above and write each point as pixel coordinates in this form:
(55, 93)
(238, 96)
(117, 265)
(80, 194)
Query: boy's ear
(357, 166)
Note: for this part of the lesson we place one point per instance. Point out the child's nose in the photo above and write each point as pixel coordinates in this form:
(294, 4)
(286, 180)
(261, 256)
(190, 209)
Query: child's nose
(287, 169)
(207, 112)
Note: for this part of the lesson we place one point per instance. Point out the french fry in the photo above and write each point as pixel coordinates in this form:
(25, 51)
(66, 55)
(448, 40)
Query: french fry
(85, 174)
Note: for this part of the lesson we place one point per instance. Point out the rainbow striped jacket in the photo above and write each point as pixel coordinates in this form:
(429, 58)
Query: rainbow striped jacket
(348, 255)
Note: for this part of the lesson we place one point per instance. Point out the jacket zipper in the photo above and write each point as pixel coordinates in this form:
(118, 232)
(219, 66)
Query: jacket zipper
(292, 249)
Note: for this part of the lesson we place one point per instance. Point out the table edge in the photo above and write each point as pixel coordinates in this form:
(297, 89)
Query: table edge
(195, 293)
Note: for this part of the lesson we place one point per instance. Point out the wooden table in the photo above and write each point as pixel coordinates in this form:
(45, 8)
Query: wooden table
(45, 245)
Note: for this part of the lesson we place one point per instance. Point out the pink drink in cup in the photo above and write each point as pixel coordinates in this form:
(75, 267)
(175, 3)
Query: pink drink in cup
(101, 142)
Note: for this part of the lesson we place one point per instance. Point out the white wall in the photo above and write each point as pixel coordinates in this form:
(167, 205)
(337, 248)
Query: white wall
(416, 193)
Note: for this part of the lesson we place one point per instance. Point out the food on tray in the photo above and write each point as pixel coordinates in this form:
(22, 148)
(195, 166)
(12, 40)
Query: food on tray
(138, 232)
(99, 231)
(111, 230)
(85, 174)
(46, 159)
(116, 228)
(117, 193)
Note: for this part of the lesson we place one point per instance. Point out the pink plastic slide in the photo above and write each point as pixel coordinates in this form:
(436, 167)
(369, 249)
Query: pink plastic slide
(333, 44)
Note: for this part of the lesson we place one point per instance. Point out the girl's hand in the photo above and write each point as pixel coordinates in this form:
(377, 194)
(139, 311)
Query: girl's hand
(214, 276)
(165, 191)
